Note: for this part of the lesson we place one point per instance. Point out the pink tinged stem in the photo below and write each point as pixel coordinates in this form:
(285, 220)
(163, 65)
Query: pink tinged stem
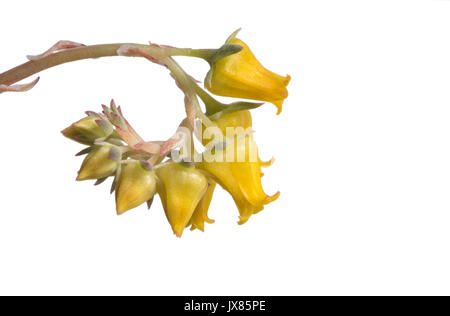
(61, 57)
(130, 50)
(191, 113)
(149, 147)
(175, 141)
(61, 45)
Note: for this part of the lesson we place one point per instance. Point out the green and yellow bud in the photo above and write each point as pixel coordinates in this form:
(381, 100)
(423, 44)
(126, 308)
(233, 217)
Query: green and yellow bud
(181, 189)
(101, 162)
(135, 186)
(87, 130)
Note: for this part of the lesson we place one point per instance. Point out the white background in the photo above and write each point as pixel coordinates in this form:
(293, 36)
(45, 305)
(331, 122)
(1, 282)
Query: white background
(362, 149)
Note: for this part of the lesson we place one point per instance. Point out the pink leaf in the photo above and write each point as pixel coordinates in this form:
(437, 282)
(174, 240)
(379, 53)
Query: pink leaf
(18, 87)
(61, 45)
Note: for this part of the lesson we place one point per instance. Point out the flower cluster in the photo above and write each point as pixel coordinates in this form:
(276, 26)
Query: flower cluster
(184, 178)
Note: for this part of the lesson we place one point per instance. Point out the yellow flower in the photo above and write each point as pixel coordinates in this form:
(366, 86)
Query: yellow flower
(182, 188)
(135, 186)
(87, 130)
(200, 215)
(241, 75)
(234, 120)
(241, 179)
(239, 119)
(101, 162)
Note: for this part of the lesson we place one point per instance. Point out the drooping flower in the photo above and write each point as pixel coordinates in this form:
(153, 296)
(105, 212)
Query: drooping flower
(241, 75)
(237, 169)
(181, 189)
(101, 162)
(135, 186)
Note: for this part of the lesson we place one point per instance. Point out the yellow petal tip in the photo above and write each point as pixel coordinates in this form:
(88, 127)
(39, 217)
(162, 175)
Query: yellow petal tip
(279, 105)
(272, 198)
(81, 177)
(286, 80)
(243, 219)
(266, 164)
(178, 230)
(121, 210)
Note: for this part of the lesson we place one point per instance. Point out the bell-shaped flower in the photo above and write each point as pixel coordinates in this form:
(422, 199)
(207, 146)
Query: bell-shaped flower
(136, 185)
(88, 129)
(181, 189)
(241, 75)
(101, 162)
(237, 169)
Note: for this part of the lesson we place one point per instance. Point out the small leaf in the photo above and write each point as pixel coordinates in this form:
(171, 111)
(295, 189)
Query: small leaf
(93, 114)
(240, 106)
(60, 45)
(225, 51)
(18, 87)
(115, 154)
(100, 181)
(105, 126)
(233, 35)
(84, 151)
(149, 203)
(235, 107)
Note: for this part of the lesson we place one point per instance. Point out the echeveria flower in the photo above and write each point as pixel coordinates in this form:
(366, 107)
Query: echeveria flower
(241, 75)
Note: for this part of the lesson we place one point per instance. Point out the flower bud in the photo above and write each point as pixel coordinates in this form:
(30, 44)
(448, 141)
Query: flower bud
(87, 130)
(241, 75)
(135, 186)
(100, 163)
(181, 190)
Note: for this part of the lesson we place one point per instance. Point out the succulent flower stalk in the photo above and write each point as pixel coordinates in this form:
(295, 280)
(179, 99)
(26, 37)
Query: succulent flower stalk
(142, 168)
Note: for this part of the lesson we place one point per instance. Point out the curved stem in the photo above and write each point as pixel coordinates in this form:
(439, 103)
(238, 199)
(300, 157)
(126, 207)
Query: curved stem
(188, 87)
(93, 51)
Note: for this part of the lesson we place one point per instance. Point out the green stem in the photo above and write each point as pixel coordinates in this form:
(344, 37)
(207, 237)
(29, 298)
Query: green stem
(211, 104)
(205, 54)
(188, 87)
